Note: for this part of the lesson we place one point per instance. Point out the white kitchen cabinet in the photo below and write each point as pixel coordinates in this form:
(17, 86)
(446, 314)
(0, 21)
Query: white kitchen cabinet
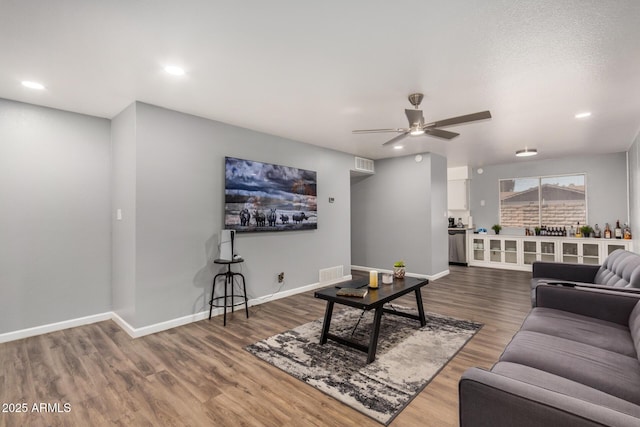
(458, 194)
(520, 252)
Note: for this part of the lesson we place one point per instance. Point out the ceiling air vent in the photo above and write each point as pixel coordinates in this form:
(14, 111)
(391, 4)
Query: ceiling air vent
(364, 165)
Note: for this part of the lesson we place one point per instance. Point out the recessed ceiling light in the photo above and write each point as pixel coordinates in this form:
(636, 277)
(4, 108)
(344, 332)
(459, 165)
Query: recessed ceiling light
(174, 70)
(583, 115)
(398, 147)
(33, 85)
(526, 152)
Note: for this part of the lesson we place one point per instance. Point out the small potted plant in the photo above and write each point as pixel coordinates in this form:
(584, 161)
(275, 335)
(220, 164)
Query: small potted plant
(537, 229)
(399, 270)
(496, 228)
(586, 230)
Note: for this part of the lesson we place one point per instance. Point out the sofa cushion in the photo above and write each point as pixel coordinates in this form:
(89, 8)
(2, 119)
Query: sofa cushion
(620, 269)
(584, 329)
(604, 370)
(634, 327)
(564, 386)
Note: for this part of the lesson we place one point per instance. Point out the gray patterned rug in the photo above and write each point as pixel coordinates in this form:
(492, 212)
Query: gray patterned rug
(408, 357)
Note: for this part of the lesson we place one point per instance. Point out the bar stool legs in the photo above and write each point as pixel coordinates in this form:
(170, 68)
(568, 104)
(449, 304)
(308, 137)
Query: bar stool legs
(228, 302)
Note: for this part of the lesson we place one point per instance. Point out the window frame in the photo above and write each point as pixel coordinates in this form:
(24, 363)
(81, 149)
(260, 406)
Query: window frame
(540, 178)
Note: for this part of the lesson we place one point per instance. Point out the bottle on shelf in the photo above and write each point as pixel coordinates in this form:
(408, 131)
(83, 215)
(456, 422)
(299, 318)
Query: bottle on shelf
(578, 231)
(626, 232)
(607, 231)
(597, 233)
(618, 231)
(564, 231)
(572, 231)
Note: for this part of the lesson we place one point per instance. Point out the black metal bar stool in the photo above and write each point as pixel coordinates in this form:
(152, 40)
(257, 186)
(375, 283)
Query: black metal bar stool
(229, 301)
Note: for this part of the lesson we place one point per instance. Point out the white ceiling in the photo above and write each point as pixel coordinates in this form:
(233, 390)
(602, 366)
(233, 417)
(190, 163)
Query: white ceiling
(314, 70)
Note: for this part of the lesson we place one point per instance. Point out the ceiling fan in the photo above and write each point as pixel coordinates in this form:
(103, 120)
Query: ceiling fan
(417, 125)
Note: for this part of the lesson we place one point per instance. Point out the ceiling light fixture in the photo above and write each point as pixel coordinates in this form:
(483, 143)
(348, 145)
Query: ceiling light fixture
(417, 131)
(526, 152)
(33, 85)
(398, 147)
(174, 70)
(582, 115)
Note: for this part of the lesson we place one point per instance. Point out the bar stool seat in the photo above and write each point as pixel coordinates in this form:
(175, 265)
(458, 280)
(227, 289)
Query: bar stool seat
(228, 300)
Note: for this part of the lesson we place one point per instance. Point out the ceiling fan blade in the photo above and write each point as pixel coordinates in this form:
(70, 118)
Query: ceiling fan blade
(441, 133)
(378, 130)
(461, 119)
(396, 139)
(415, 117)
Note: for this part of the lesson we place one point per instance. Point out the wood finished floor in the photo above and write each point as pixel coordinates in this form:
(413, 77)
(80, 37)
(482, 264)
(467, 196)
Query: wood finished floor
(199, 374)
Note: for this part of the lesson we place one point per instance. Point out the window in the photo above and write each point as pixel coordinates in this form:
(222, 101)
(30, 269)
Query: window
(555, 201)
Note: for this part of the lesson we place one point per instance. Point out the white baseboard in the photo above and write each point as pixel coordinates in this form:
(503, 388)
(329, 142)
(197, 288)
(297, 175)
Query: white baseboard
(157, 327)
(416, 275)
(52, 327)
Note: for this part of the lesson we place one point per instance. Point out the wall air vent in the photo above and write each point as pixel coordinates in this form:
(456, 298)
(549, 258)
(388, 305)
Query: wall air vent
(364, 165)
(331, 274)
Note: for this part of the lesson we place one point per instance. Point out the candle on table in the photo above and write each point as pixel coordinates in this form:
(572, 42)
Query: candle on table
(373, 279)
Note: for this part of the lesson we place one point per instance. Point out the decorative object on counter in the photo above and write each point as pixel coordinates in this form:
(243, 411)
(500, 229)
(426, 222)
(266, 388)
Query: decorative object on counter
(607, 231)
(460, 223)
(482, 231)
(496, 228)
(399, 270)
(387, 278)
(597, 233)
(586, 230)
(626, 232)
(537, 230)
(373, 279)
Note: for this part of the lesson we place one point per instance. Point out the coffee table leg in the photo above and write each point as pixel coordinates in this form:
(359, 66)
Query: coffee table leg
(327, 322)
(373, 341)
(423, 320)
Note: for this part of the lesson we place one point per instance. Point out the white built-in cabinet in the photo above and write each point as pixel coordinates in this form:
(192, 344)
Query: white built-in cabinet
(458, 195)
(519, 252)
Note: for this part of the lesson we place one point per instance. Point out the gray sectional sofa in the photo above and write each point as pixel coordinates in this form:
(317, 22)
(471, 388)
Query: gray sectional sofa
(574, 362)
(620, 270)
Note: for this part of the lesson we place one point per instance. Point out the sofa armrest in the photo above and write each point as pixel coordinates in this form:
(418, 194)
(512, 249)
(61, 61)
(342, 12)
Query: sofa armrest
(492, 400)
(606, 304)
(565, 271)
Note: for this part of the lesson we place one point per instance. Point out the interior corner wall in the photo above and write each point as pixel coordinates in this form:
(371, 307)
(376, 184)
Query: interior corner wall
(180, 205)
(633, 162)
(607, 184)
(54, 219)
(399, 213)
(439, 242)
(123, 201)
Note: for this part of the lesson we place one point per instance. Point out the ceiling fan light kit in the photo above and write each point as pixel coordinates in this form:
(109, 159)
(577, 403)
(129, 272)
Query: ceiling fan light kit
(418, 127)
(527, 152)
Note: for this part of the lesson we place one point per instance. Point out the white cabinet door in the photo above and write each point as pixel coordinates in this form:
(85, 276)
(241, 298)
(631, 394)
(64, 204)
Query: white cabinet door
(458, 195)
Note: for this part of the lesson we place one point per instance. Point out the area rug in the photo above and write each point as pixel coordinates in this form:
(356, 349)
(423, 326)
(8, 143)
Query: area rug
(408, 357)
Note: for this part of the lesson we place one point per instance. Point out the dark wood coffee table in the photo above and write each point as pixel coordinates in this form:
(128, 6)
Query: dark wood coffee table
(375, 299)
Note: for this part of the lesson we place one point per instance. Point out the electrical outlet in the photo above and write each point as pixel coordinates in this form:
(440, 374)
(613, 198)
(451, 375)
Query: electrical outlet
(281, 277)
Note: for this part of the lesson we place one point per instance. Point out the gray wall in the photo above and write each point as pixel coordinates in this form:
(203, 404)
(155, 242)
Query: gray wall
(606, 186)
(54, 216)
(400, 213)
(179, 193)
(123, 197)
